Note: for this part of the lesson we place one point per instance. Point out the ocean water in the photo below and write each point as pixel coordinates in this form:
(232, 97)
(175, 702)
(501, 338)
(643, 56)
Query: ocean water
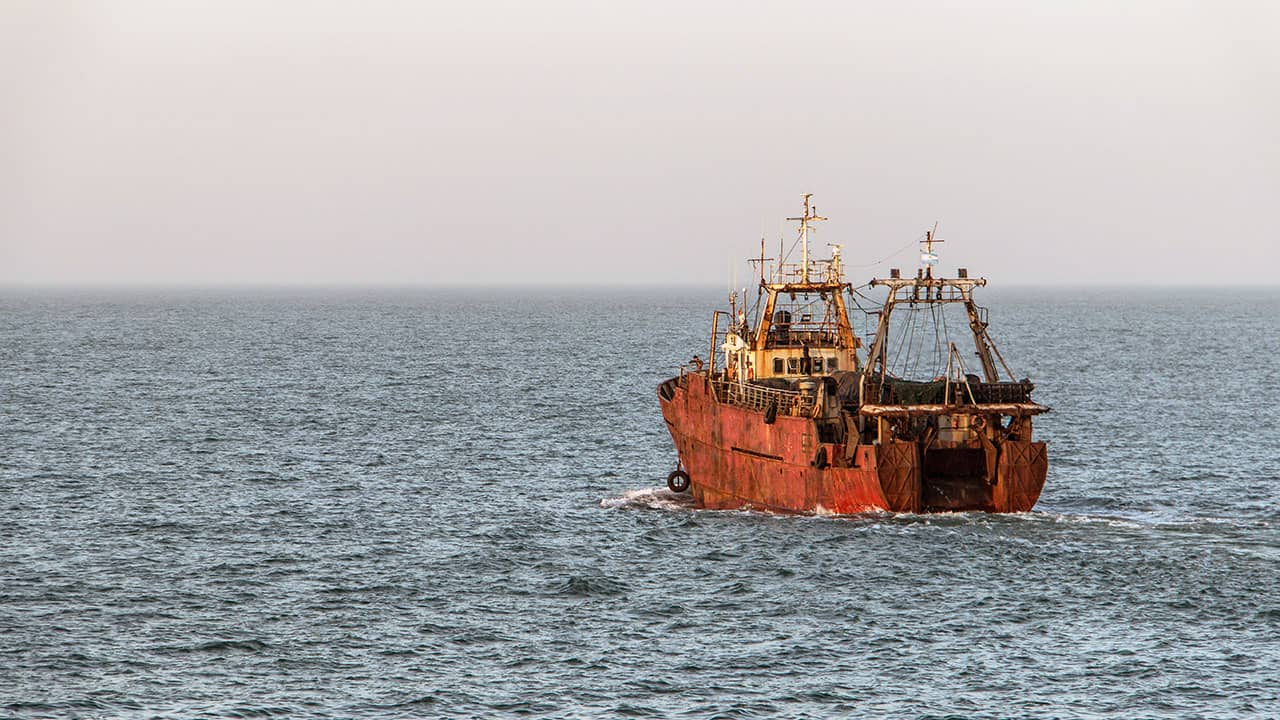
(402, 504)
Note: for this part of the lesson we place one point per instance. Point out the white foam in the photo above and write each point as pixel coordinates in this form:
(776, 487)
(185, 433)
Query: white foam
(654, 498)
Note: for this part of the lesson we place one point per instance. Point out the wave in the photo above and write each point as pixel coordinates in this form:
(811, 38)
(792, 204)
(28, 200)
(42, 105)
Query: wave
(654, 498)
(660, 498)
(581, 586)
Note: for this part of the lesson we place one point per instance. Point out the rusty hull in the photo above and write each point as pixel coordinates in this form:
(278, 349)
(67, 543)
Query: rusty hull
(737, 460)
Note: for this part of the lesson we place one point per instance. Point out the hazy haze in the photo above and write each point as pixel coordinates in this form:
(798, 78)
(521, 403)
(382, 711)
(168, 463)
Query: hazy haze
(530, 142)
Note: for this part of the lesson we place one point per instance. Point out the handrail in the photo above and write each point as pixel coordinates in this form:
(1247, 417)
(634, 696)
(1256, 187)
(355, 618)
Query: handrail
(758, 397)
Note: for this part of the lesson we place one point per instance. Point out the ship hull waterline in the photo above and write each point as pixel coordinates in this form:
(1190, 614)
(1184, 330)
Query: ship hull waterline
(736, 460)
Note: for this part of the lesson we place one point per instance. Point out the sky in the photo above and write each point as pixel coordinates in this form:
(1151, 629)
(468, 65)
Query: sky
(229, 142)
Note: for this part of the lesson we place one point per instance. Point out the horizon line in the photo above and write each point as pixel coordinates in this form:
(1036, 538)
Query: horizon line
(507, 285)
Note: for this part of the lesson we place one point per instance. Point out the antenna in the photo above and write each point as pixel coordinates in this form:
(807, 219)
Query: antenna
(810, 215)
(760, 261)
(928, 257)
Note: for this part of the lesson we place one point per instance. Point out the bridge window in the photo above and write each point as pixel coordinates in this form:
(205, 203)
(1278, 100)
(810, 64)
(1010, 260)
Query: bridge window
(777, 366)
(793, 365)
(817, 364)
(832, 364)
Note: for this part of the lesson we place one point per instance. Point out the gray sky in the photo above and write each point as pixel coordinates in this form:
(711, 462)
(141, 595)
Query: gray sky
(162, 141)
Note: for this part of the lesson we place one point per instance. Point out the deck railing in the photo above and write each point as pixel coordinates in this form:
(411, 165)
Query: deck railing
(759, 397)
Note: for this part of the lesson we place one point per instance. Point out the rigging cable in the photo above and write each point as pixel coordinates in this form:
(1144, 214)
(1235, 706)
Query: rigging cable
(905, 342)
(937, 341)
(890, 256)
(854, 294)
(946, 333)
(919, 349)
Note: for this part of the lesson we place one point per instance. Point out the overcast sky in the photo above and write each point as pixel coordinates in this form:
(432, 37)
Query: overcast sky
(613, 142)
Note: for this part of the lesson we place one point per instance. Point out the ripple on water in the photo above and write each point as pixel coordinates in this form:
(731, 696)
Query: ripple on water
(329, 505)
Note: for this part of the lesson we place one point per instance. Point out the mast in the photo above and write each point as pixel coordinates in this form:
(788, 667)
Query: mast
(810, 215)
(980, 342)
(819, 281)
(937, 290)
(929, 258)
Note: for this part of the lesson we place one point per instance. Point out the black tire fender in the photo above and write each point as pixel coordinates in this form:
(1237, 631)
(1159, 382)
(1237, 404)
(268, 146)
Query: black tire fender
(820, 459)
(678, 481)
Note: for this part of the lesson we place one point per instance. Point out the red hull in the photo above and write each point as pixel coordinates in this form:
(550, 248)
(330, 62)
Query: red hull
(736, 460)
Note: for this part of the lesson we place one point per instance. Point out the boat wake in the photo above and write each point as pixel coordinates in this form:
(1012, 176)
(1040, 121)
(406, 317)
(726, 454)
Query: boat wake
(662, 499)
(653, 498)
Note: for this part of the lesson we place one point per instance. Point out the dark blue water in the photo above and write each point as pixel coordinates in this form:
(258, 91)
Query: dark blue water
(425, 504)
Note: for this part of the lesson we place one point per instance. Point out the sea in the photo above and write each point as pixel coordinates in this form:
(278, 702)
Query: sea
(439, 503)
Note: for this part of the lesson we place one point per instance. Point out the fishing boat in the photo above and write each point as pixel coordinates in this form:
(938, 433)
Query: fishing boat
(793, 412)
